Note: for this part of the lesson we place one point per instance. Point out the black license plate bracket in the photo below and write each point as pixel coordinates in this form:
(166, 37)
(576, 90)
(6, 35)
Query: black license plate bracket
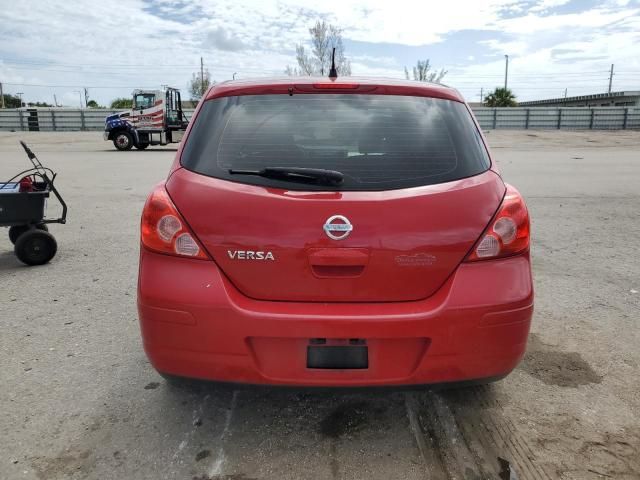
(338, 357)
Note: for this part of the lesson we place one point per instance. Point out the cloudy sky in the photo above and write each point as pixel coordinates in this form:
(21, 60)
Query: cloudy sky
(58, 47)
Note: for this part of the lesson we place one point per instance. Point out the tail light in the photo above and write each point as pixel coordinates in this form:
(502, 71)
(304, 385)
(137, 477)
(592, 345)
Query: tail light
(164, 230)
(508, 232)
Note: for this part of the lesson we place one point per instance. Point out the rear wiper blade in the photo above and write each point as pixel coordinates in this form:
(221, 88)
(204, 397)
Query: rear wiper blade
(293, 174)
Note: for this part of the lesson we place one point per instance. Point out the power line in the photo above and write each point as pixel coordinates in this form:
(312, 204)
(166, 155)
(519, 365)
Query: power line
(111, 67)
(466, 84)
(132, 65)
(77, 86)
(531, 79)
(254, 69)
(474, 81)
(529, 74)
(114, 66)
(466, 79)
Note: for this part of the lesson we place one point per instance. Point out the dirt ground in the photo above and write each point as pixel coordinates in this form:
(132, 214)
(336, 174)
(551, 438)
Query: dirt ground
(80, 401)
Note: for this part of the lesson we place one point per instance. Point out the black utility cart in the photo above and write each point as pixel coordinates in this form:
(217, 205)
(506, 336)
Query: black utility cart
(22, 208)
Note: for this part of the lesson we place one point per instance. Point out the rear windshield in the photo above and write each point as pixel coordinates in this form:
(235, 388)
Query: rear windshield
(378, 142)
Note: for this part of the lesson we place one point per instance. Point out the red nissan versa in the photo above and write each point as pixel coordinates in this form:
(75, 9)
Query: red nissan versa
(349, 232)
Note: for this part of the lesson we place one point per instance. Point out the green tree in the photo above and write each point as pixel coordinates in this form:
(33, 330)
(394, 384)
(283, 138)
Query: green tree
(199, 84)
(122, 103)
(39, 104)
(11, 101)
(93, 104)
(500, 97)
(324, 38)
(422, 72)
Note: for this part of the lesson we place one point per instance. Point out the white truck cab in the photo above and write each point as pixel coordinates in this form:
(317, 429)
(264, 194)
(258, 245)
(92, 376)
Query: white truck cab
(156, 118)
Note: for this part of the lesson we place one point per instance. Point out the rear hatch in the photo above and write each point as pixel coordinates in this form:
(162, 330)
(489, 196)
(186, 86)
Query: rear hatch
(415, 196)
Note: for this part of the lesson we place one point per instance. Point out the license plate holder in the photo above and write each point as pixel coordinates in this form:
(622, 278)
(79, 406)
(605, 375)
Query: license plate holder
(338, 357)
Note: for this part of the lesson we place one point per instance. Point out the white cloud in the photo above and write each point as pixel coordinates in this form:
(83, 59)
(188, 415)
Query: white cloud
(149, 45)
(407, 21)
(547, 4)
(532, 23)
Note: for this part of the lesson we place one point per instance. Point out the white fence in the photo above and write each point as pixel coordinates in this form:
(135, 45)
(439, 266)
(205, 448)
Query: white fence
(570, 118)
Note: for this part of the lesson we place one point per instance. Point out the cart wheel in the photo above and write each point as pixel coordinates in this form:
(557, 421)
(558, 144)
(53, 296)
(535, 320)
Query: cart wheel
(123, 141)
(35, 247)
(17, 230)
(142, 146)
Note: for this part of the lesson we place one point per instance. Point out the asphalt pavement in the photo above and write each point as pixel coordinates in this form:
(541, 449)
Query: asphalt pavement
(80, 401)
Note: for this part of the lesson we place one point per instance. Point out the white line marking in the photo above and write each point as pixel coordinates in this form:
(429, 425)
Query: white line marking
(218, 464)
(197, 413)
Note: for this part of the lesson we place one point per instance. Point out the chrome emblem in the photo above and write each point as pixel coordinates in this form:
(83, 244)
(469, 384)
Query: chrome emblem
(338, 224)
(416, 260)
(250, 255)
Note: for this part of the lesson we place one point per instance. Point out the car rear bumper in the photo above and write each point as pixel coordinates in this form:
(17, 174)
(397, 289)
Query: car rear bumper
(195, 323)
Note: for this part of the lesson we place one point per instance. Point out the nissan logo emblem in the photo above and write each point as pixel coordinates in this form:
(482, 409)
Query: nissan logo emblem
(337, 227)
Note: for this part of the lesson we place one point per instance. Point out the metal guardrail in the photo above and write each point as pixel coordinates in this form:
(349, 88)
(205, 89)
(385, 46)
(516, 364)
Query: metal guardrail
(52, 119)
(565, 118)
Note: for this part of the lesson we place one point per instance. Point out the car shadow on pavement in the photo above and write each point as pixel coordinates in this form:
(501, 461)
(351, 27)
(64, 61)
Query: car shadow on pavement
(140, 152)
(215, 431)
(142, 426)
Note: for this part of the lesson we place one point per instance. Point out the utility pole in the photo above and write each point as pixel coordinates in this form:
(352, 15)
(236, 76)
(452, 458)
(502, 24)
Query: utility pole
(201, 76)
(610, 78)
(1, 96)
(506, 70)
(565, 93)
(20, 95)
(86, 97)
(481, 95)
(55, 100)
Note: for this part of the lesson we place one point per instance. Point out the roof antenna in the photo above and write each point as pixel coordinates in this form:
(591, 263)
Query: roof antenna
(333, 73)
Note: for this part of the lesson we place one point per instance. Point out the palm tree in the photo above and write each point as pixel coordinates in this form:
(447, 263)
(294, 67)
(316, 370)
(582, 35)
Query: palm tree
(501, 97)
